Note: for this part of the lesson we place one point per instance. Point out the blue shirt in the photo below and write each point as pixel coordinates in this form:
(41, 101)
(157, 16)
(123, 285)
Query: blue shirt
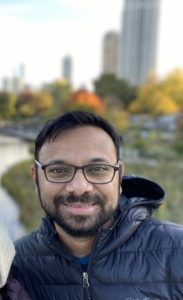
(83, 261)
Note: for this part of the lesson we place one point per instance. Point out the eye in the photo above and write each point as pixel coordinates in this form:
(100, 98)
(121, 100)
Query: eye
(59, 170)
(97, 169)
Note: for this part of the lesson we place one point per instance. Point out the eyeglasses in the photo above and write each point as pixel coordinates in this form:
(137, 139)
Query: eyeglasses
(93, 173)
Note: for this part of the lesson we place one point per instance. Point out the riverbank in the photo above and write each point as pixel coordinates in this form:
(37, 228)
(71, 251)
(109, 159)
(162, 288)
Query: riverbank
(12, 150)
(24, 192)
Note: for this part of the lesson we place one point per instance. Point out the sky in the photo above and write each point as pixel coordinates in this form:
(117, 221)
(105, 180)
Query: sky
(40, 33)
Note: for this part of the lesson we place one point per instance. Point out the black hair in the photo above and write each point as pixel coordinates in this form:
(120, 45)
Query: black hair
(74, 119)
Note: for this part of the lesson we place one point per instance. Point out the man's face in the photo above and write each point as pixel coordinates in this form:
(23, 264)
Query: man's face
(80, 208)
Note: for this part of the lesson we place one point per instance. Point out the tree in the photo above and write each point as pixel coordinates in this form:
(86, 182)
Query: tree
(180, 126)
(108, 86)
(119, 118)
(172, 85)
(85, 100)
(7, 105)
(152, 99)
(34, 103)
(61, 92)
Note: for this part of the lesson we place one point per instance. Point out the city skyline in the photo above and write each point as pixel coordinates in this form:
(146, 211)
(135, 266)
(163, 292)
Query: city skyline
(39, 34)
(138, 43)
(110, 51)
(67, 68)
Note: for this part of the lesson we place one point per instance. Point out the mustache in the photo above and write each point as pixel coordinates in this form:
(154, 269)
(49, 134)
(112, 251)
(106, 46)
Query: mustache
(85, 198)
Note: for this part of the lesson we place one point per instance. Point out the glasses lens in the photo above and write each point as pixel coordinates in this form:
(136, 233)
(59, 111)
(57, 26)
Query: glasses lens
(59, 172)
(99, 173)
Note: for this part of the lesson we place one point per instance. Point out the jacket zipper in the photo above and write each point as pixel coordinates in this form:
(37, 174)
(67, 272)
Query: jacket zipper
(86, 284)
(85, 280)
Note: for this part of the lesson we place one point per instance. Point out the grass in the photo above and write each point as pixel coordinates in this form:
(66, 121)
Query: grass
(18, 182)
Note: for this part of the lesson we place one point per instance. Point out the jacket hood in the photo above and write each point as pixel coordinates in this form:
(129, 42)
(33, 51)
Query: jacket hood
(141, 191)
(139, 197)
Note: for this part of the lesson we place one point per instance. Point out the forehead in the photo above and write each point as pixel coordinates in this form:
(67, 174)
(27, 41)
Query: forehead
(85, 143)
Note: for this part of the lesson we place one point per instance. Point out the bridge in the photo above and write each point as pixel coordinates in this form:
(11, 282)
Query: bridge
(25, 132)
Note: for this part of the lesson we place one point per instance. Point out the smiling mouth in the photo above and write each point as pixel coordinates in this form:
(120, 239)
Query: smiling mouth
(79, 208)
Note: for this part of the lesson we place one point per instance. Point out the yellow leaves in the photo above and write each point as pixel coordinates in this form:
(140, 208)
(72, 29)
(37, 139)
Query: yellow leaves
(35, 103)
(156, 103)
(60, 82)
(160, 97)
(173, 86)
(119, 118)
(165, 105)
(42, 101)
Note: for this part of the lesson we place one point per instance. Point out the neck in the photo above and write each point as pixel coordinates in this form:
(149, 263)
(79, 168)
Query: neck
(78, 246)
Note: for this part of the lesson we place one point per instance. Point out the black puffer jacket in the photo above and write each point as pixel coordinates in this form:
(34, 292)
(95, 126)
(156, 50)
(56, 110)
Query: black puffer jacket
(138, 259)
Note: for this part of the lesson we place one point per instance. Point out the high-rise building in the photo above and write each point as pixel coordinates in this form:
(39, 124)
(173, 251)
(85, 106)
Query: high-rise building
(12, 85)
(138, 43)
(110, 53)
(67, 68)
(22, 72)
(6, 85)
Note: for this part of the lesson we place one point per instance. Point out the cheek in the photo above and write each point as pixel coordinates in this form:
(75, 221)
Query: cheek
(112, 193)
(49, 190)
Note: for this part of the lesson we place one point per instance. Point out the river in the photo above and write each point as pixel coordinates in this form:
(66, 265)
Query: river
(12, 150)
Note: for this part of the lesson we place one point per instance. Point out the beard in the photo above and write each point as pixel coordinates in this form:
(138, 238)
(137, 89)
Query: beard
(79, 225)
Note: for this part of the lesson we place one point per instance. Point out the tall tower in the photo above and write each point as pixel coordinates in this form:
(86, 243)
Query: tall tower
(67, 68)
(138, 43)
(110, 53)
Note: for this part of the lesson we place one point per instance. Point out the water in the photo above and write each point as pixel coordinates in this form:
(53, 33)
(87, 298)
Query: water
(12, 150)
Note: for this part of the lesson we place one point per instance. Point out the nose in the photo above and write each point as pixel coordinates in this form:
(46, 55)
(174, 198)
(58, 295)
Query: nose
(79, 185)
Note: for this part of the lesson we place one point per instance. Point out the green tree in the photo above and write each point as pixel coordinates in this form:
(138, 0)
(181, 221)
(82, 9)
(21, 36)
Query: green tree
(108, 86)
(7, 105)
(61, 92)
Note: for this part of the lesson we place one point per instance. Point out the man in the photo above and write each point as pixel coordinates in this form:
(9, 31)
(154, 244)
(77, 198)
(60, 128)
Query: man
(97, 240)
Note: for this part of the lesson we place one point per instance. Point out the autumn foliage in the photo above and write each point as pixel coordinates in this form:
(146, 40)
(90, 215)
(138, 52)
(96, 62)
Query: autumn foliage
(160, 97)
(31, 103)
(83, 99)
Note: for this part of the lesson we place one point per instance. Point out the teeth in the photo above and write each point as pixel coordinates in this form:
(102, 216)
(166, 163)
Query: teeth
(80, 205)
(7, 253)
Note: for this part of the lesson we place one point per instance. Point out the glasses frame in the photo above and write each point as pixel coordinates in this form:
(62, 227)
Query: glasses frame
(115, 167)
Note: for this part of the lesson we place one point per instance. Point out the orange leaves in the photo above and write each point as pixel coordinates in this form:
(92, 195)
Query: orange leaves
(83, 99)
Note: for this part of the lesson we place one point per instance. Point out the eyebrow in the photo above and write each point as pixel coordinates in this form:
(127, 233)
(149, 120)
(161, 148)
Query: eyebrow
(56, 161)
(99, 159)
(94, 160)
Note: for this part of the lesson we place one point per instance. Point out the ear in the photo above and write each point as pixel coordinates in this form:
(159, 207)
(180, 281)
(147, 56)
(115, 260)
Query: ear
(121, 168)
(34, 176)
(121, 173)
(33, 169)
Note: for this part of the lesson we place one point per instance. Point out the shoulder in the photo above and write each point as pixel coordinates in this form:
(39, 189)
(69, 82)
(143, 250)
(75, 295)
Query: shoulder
(27, 244)
(36, 241)
(162, 234)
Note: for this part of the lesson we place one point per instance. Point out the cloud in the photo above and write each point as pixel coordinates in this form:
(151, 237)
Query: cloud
(9, 9)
